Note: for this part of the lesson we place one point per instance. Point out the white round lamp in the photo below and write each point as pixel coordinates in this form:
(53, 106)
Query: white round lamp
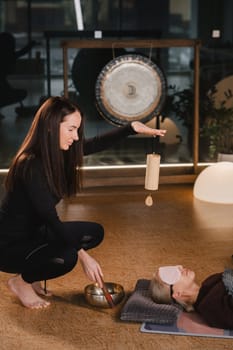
(215, 183)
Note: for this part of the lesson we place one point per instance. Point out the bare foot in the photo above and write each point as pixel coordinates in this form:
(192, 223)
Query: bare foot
(40, 290)
(26, 293)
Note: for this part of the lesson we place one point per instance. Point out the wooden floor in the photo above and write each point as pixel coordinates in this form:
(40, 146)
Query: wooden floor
(177, 229)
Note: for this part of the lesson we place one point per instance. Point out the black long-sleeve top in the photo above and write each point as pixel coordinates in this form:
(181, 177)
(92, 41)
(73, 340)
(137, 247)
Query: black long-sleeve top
(31, 205)
(214, 303)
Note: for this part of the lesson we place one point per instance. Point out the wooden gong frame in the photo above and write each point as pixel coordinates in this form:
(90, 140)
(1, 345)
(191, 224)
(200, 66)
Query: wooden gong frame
(144, 43)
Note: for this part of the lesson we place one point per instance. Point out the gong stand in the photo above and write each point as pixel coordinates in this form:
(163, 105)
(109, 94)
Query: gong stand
(143, 43)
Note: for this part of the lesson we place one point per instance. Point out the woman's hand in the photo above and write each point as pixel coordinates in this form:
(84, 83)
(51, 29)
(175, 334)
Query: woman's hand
(141, 128)
(91, 267)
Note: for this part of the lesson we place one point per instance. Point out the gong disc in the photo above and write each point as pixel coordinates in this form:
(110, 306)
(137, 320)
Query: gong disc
(130, 87)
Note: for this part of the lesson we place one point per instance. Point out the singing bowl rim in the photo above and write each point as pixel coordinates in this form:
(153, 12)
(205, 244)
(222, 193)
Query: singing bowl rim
(116, 290)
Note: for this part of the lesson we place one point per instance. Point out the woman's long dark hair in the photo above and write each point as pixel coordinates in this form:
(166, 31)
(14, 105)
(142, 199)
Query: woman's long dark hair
(62, 168)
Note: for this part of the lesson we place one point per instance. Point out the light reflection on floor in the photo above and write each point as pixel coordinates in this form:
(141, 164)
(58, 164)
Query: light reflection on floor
(211, 217)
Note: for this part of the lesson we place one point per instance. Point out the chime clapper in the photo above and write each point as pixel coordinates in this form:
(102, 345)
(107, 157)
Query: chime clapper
(149, 200)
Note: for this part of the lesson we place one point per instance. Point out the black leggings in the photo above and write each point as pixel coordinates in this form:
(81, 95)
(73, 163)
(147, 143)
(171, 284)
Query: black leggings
(47, 260)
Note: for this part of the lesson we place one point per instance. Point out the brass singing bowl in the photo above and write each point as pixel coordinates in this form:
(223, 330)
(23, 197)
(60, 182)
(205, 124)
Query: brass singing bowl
(94, 295)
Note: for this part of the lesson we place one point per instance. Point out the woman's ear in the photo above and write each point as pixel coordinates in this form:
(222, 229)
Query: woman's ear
(176, 295)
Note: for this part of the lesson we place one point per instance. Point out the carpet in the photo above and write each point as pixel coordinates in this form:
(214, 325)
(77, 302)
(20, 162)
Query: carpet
(189, 324)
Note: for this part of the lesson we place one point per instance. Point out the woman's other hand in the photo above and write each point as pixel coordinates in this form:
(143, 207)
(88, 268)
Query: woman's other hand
(141, 128)
(90, 267)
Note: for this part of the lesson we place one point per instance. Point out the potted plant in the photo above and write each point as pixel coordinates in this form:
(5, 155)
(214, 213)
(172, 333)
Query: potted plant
(181, 102)
(218, 127)
(215, 121)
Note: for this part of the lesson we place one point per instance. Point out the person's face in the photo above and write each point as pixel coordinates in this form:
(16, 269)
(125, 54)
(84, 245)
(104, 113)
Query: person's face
(186, 280)
(183, 281)
(69, 130)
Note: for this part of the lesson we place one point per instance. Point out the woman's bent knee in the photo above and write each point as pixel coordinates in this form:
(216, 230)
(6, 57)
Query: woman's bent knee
(70, 259)
(100, 233)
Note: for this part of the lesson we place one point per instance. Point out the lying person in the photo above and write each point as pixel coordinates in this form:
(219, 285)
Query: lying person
(212, 300)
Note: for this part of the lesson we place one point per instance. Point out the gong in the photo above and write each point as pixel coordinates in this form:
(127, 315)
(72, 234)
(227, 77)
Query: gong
(130, 87)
